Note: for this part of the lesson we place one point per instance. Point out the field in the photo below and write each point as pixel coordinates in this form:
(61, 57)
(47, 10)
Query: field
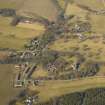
(15, 4)
(94, 4)
(97, 21)
(16, 37)
(45, 8)
(95, 46)
(73, 9)
(62, 3)
(89, 48)
(39, 72)
(58, 87)
(7, 92)
(34, 26)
